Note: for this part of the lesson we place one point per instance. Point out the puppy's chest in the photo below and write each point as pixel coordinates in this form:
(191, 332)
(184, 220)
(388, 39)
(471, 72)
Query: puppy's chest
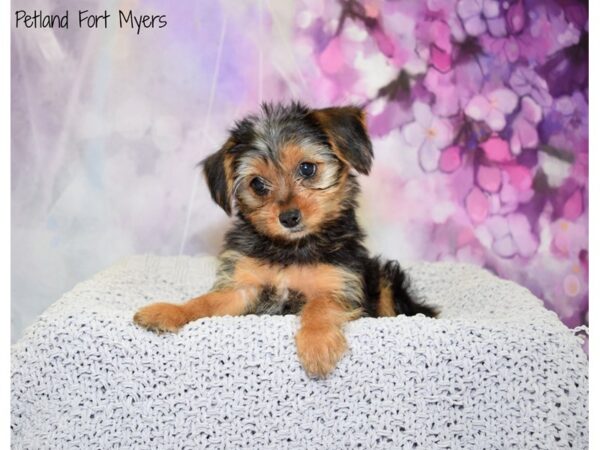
(279, 292)
(279, 300)
(284, 289)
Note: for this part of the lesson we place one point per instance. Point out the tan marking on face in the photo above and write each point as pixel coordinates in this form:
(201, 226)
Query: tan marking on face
(250, 167)
(291, 155)
(318, 198)
(319, 206)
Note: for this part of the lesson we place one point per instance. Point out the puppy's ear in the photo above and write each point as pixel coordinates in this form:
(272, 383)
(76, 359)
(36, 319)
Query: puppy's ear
(218, 172)
(345, 127)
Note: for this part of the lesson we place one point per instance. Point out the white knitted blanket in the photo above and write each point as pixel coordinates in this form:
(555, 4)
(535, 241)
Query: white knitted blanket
(496, 370)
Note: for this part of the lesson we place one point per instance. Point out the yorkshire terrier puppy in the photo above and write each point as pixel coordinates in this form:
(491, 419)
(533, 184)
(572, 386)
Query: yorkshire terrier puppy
(296, 246)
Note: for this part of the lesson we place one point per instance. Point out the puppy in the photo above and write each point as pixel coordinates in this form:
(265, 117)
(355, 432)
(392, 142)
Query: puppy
(296, 246)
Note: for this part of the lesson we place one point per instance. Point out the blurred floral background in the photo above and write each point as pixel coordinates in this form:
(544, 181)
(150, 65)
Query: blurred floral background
(478, 111)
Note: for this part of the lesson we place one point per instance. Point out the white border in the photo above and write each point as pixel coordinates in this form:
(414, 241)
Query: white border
(594, 211)
(5, 243)
(5, 247)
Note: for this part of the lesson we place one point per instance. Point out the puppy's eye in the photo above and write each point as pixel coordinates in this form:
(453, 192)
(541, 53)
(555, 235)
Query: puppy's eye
(259, 186)
(307, 169)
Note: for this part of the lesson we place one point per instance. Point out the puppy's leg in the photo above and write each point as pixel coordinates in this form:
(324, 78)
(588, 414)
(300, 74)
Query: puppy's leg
(171, 317)
(320, 340)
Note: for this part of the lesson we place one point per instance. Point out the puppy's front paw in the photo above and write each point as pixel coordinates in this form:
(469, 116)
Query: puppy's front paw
(161, 317)
(320, 349)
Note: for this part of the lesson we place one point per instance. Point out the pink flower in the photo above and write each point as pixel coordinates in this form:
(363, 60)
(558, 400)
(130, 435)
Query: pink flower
(443, 86)
(520, 177)
(436, 34)
(516, 188)
(568, 238)
(450, 159)
(440, 35)
(492, 107)
(525, 126)
(573, 207)
(572, 285)
(331, 60)
(496, 149)
(443, 6)
(440, 59)
(384, 43)
(477, 205)
(428, 134)
(489, 178)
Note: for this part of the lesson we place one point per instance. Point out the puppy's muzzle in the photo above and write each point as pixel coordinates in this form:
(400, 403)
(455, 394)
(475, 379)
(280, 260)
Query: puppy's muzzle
(290, 218)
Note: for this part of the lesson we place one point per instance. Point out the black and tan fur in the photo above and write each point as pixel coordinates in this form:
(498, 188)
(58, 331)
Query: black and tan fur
(316, 265)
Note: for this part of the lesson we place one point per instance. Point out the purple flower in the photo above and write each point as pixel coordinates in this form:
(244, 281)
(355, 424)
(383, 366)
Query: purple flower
(385, 115)
(479, 16)
(492, 107)
(512, 235)
(568, 118)
(516, 17)
(525, 81)
(525, 126)
(453, 89)
(516, 188)
(428, 134)
(567, 70)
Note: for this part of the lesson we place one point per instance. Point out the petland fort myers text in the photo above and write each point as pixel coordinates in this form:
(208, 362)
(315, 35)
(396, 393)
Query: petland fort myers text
(85, 19)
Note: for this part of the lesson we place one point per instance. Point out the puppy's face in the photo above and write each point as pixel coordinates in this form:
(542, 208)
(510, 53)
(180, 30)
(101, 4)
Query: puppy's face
(288, 169)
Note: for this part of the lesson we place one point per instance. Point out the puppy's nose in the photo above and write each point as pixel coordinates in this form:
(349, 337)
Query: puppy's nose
(290, 218)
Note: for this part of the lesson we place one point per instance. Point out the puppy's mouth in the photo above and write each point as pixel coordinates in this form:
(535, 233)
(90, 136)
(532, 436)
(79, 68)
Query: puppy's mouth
(295, 232)
(295, 229)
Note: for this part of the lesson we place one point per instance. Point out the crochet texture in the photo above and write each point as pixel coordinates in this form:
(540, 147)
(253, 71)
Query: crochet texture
(496, 370)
